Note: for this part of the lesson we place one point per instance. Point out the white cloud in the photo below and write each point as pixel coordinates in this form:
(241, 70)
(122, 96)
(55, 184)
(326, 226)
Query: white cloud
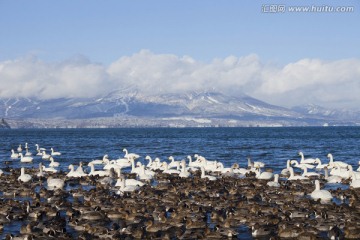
(327, 83)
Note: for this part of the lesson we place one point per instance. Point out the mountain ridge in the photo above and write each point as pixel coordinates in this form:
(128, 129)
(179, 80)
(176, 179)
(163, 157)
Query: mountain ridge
(132, 103)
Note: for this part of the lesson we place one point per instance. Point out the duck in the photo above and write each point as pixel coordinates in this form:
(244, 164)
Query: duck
(320, 194)
(53, 153)
(274, 183)
(211, 178)
(55, 183)
(130, 155)
(25, 159)
(53, 163)
(14, 155)
(308, 160)
(24, 177)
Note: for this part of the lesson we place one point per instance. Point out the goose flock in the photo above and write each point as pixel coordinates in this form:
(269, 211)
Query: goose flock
(190, 198)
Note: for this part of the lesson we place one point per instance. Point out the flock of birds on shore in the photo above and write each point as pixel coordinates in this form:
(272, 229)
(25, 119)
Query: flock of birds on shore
(178, 199)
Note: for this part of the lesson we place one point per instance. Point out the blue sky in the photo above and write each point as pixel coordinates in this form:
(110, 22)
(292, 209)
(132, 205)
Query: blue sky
(102, 33)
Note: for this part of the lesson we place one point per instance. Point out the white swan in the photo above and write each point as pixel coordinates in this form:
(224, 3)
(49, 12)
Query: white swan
(40, 173)
(27, 153)
(49, 169)
(333, 163)
(98, 172)
(184, 173)
(320, 166)
(127, 181)
(351, 171)
(339, 171)
(331, 179)
(196, 163)
(55, 183)
(72, 172)
(211, 178)
(45, 156)
(274, 183)
(222, 169)
(320, 194)
(263, 175)
(130, 155)
(14, 155)
(75, 173)
(309, 174)
(100, 161)
(355, 181)
(53, 163)
(152, 164)
(169, 171)
(80, 171)
(125, 188)
(173, 163)
(53, 153)
(39, 148)
(295, 177)
(308, 160)
(301, 165)
(25, 159)
(113, 164)
(19, 149)
(285, 171)
(142, 174)
(255, 164)
(24, 177)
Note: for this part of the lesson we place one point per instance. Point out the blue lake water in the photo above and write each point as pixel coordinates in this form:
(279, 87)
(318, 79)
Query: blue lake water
(273, 146)
(229, 145)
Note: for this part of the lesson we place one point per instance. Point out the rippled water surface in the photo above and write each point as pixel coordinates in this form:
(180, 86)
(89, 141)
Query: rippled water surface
(270, 145)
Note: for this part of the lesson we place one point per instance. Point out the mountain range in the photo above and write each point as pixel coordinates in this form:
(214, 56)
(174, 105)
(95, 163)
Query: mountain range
(196, 108)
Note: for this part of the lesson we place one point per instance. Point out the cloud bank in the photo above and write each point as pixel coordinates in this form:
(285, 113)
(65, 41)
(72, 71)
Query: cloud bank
(326, 83)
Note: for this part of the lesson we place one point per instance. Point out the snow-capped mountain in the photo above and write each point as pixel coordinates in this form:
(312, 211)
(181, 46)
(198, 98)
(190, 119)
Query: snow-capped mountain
(132, 103)
(326, 113)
